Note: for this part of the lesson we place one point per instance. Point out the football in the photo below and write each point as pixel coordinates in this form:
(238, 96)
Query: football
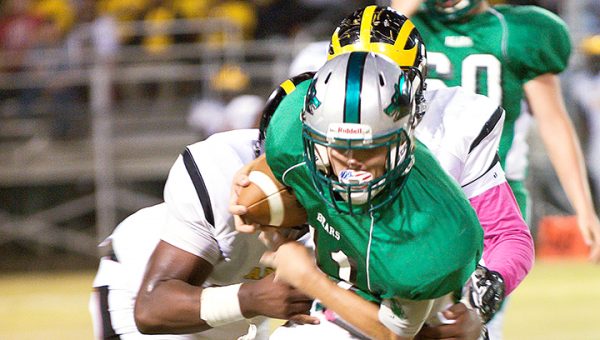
(269, 202)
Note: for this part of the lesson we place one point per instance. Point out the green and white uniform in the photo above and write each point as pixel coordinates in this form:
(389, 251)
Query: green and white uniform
(424, 245)
(494, 53)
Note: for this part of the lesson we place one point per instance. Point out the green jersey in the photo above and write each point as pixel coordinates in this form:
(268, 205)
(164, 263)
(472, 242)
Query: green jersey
(494, 54)
(424, 245)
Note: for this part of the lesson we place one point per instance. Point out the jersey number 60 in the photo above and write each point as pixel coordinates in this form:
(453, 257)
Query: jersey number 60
(476, 68)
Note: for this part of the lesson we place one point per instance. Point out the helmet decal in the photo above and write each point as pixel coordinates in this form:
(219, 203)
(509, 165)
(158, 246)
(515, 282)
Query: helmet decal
(312, 102)
(399, 100)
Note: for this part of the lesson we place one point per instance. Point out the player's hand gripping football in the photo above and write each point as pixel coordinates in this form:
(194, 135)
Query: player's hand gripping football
(269, 236)
(240, 181)
(263, 203)
(276, 299)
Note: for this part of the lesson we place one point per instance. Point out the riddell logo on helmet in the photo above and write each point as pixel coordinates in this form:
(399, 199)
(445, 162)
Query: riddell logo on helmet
(349, 130)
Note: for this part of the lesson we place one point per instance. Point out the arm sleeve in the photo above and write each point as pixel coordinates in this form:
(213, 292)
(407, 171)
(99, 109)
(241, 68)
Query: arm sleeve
(508, 245)
(186, 226)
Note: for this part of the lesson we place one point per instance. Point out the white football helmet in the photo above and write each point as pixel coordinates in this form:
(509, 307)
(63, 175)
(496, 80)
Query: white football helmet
(360, 100)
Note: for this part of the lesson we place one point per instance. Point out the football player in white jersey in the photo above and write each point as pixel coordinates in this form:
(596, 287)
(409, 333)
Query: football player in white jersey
(463, 131)
(180, 267)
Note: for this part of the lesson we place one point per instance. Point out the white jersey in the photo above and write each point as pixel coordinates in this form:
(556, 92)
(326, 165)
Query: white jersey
(181, 222)
(462, 130)
(234, 256)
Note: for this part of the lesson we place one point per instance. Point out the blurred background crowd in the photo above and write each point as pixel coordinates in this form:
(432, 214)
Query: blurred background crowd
(98, 97)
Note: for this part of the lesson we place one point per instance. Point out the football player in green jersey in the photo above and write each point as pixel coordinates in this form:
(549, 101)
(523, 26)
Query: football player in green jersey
(498, 51)
(378, 200)
(385, 31)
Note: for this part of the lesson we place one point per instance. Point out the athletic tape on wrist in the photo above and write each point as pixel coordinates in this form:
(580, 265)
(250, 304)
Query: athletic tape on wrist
(220, 305)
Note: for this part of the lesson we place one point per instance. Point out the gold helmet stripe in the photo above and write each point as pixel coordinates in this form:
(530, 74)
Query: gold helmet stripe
(288, 86)
(408, 57)
(404, 33)
(402, 57)
(366, 25)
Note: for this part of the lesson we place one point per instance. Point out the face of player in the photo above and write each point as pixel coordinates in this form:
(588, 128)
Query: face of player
(372, 161)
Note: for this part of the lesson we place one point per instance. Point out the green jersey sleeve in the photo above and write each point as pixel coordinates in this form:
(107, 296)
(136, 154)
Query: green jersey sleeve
(283, 145)
(538, 40)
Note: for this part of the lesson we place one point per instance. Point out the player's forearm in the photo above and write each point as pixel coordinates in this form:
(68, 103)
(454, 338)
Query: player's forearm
(508, 245)
(560, 139)
(169, 307)
(355, 310)
(565, 154)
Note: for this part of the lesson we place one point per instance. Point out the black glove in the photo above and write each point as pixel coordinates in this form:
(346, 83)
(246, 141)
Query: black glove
(485, 292)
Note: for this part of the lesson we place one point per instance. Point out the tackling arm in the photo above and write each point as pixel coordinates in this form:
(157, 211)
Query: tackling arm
(166, 301)
(560, 139)
(170, 298)
(508, 245)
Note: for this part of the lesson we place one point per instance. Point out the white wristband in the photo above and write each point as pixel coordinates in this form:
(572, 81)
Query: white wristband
(220, 305)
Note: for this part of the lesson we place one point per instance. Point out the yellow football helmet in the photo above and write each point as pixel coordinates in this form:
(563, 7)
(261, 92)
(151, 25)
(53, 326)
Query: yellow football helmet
(380, 30)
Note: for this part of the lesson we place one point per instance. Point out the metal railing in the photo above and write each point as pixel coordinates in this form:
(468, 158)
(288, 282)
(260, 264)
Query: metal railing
(99, 157)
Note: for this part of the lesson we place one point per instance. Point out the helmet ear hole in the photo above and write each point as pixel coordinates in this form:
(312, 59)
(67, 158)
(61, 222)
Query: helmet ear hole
(327, 78)
(381, 79)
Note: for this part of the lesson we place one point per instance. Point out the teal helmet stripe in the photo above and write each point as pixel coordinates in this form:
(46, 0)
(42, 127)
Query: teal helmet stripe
(354, 74)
